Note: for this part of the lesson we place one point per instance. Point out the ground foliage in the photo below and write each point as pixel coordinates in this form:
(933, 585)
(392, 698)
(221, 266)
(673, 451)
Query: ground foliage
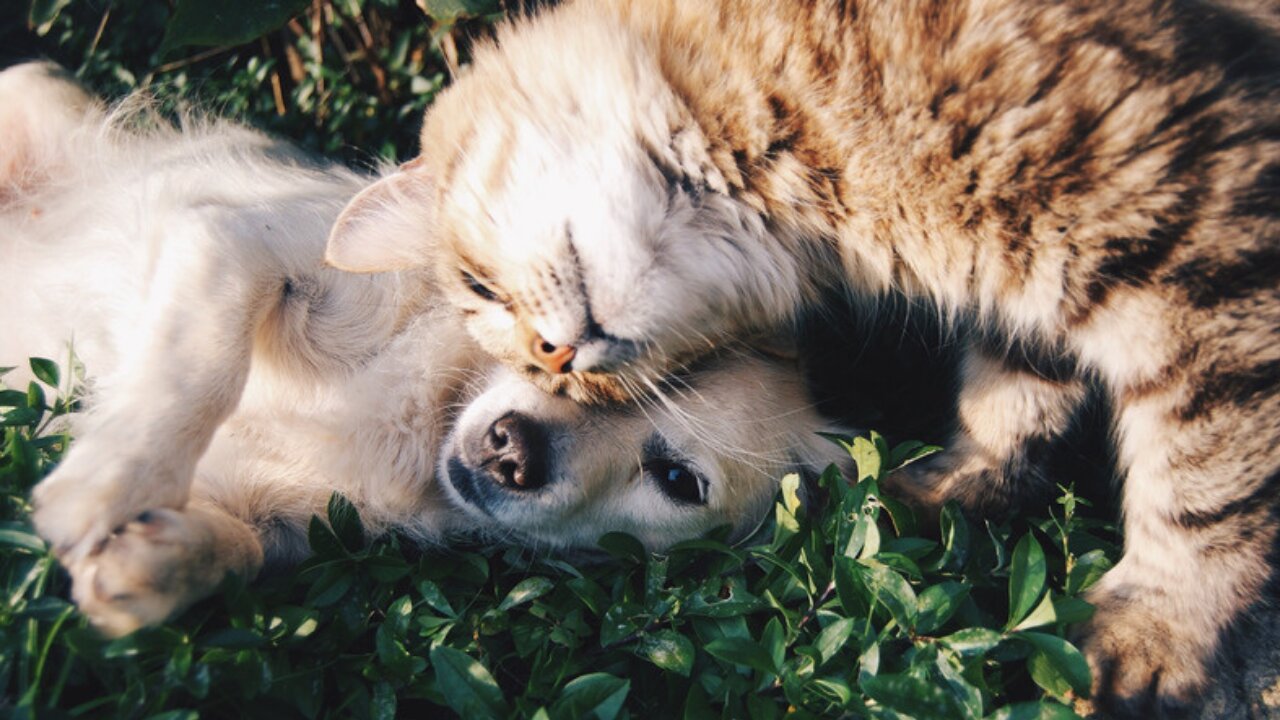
(347, 78)
(843, 608)
(839, 608)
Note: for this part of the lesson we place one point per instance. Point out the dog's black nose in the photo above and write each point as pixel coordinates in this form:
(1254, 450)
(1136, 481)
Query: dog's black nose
(514, 452)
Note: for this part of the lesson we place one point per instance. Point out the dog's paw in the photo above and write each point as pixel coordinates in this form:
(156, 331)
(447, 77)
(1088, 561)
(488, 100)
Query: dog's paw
(147, 571)
(95, 491)
(1145, 663)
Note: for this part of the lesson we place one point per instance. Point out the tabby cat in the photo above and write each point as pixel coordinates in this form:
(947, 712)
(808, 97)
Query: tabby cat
(1084, 190)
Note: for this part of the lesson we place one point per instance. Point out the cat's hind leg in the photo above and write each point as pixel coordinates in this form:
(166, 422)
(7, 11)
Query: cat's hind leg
(1011, 414)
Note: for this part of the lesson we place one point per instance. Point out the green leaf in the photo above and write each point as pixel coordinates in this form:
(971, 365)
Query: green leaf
(450, 11)
(619, 622)
(1026, 579)
(383, 703)
(16, 535)
(1040, 710)
(892, 591)
(324, 543)
(866, 455)
(225, 22)
(431, 593)
(1071, 610)
(790, 490)
(833, 637)
(345, 522)
(233, 638)
(1044, 614)
(1057, 665)
(948, 666)
(12, 399)
(955, 537)
(467, 686)
(775, 641)
(596, 694)
(526, 591)
(742, 651)
(849, 588)
(972, 642)
(46, 371)
(1087, 570)
(937, 604)
(903, 454)
(623, 546)
(668, 650)
(42, 14)
(915, 697)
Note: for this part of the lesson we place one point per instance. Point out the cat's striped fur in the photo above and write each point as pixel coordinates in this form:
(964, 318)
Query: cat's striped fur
(1082, 188)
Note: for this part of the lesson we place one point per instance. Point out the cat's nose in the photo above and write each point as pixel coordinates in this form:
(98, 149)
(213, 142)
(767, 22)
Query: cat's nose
(553, 358)
(514, 452)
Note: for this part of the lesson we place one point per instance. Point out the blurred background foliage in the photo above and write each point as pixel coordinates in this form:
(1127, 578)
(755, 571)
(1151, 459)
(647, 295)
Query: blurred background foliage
(346, 78)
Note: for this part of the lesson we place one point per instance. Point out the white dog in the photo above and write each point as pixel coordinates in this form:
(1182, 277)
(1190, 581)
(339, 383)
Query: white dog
(236, 381)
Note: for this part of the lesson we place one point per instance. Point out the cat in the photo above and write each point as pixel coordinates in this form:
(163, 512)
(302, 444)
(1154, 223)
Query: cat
(235, 383)
(1083, 191)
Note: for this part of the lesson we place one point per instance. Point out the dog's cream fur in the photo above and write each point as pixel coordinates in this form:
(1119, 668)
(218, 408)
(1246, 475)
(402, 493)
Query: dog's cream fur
(236, 381)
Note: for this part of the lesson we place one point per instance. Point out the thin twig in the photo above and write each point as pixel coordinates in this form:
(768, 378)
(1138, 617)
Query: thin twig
(277, 92)
(449, 49)
(167, 67)
(102, 25)
(317, 22)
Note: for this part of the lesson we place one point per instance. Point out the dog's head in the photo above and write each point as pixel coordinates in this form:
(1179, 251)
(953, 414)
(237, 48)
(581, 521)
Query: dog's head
(530, 468)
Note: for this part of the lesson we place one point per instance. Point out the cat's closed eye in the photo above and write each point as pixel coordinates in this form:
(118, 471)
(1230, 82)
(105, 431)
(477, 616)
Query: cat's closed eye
(479, 288)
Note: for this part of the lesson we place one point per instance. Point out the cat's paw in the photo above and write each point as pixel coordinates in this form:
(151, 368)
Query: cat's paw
(146, 572)
(1145, 663)
(978, 483)
(96, 489)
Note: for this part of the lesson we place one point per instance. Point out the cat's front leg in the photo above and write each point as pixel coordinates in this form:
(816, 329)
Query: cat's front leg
(1010, 417)
(182, 371)
(159, 564)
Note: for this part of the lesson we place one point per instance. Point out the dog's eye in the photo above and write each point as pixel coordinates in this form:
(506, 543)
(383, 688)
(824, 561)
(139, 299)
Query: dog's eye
(478, 287)
(677, 482)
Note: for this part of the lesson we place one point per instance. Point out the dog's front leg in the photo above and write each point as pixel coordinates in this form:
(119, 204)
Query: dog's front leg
(184, 365)
(160, 563)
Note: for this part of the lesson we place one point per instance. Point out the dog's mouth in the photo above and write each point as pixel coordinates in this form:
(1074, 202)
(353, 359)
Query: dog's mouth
(475, 492)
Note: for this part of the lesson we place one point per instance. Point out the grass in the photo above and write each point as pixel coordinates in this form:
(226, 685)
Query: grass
(847, 609)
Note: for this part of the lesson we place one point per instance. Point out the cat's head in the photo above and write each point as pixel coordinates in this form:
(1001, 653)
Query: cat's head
(571, 212)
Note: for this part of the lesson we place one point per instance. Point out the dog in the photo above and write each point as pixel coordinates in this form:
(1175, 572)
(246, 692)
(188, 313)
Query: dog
(235, 382)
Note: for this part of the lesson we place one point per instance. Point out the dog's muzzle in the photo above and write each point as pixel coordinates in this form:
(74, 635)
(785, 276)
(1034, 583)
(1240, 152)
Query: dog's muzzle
(508, 458)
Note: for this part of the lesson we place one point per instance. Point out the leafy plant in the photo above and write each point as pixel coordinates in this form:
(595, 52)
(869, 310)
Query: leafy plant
(840, 608)
(343, 77)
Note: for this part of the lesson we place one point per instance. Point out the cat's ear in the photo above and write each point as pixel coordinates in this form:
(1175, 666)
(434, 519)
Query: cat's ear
(387, 226)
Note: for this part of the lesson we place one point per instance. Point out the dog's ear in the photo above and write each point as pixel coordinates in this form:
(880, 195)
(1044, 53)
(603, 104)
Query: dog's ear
(387, 226)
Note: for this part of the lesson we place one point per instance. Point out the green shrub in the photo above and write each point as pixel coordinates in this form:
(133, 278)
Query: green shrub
(839, 610)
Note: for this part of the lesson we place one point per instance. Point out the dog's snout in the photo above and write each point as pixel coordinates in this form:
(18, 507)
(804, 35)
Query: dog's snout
(514, 452)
